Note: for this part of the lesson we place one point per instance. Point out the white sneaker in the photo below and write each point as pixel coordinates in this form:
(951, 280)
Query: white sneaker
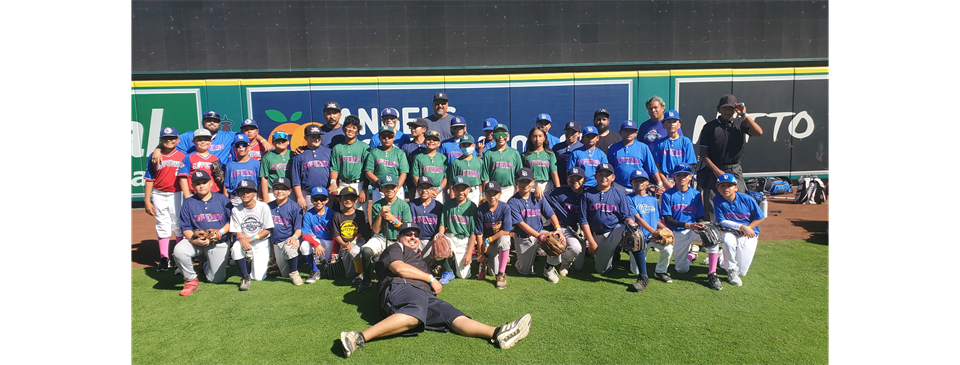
(551, 275)
(514, 331)
(564, 272)
(734, 278)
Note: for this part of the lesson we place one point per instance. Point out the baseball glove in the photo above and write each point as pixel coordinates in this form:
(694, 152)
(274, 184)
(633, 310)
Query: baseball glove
(553, 246)
(441, 247)
(666, 237)
(496, 227)
(710, 235)
(633, 239)
(217, 171)
(213, 235)
(201, 235)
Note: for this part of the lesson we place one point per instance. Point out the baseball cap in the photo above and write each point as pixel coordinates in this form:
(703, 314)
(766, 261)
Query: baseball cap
(201, 133)
(249, 122)
(332, 105)
(589, 130)
(388, 179)
(501, 126)
(492, 186)
(440, 96)
(347, 191)
(432, 134)
(419, 122)
(576, 171)
(281, 135)
(639, 174)
(670, 114)
(727, 100)
(171, 132)
(605, 166)
(312, 130)
(389, 111)
(282, 182)
(681, 168)
(601, 111)
(575, 125)
(351, 120)
(199, 175)
(524, 173)
(544, 116)
(386, 128)
(408, 226)
(425, 180)
(460, 180)
(211, 115)
(727, 178)
(629, 124)
(467, 138)
(458, 120)
(319, 190)
(241, 138)
(489, 124)
(246, 184)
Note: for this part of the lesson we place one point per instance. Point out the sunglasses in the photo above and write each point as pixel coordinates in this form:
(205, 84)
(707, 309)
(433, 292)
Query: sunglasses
(409, 234)
(439, 103)
(241, 145)
(318, 198)
(499, 135)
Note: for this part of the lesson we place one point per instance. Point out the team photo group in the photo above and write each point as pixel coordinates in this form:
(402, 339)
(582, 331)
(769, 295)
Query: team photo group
(412, 212)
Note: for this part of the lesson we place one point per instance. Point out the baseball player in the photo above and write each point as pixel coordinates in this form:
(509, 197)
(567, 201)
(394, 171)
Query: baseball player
(486, 141)
(257, 148)
(681, 208)
(431, 163)
(387, 215)
(384, 160)
(425, 212)
(389, 117)
(589, 156)
(563, 149)
(602, 209)
(542, 161)
(457, 224)
(501, 163)
(628, 156)
(468, 166)
(450, 147)
(565, 201)
(317, 238)
(310, 168)
(275, 164)
(741, 215)
(672, 150)
(346, 165)
(440, 120)
(409, 303)
(251, 223)
(239, 169)
(350, 230)
(493, 235)
(544, 122)
(162, 194)
(287, 229)
(199, 159)
(525, 212)
(416, 144)
(204, 210)
(645, 213)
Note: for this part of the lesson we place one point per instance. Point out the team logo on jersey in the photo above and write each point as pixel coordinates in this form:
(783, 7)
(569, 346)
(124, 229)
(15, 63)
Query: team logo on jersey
(348, 230)
(251, 225)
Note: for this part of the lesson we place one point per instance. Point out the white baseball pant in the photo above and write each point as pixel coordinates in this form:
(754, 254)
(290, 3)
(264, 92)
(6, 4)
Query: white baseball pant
(459, 248)
(261, 257)
(738, 252)
(167, 205)
(681, 246)
(569, 255)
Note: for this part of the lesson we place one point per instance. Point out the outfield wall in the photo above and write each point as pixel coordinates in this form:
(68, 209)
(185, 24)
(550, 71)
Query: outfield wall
(790, 104)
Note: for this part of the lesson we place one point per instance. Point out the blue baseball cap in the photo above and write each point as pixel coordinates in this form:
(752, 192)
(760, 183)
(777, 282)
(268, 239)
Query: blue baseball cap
(489, 124)
(639, 174)
(282, 182)
(212, 115)
(389, 111)
(670, 114)
(458, 120)
(319, 190)
(629, 124)
(241, 138)
(249, 122)
(544, 116)
(682, 168)
(246, 185)
(589, 130)
(727, 178)
(281, 135)
(169, 132)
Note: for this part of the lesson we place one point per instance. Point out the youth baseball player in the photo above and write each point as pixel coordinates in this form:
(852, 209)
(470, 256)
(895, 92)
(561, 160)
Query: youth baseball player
(544, 122)
(425, 212)
(389, 117)
(204, 210)
(563, 149)
(199, 159)
(388, 213)
(242, 168)
(589, 156)
(674, 149)
(275, 164)
(542, 161)
(602, 209)
(493, 234)
(565, 201)
(501, 163)
(525, 214)
(162, 194)
(310, 168)
(681, 208)
(258, 145)
(384, 160)
(740, 214)
(486, 141)
(450, 147)
(431, 163)
(457, 223)
(628, 156)
(469, 166)
(346, 165)
(350, 230)
(645, 214)
(251, 223)
(287, 229)
(317, 237)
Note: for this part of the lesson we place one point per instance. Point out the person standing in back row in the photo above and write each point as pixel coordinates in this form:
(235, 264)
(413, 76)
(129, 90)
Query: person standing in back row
(721, 148)
(440, 121)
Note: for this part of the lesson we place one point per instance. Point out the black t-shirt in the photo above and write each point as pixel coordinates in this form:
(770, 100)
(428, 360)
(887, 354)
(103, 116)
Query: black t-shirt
(605, 142)
(341, 221)
(724, 140)
(399, 252)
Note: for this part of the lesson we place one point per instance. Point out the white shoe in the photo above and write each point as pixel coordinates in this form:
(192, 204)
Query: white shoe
(551, 275)
(734, 278)
(514, 331)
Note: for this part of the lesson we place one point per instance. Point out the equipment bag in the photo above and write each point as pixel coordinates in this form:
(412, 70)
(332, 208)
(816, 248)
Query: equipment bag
(775, 185)
(810, 190)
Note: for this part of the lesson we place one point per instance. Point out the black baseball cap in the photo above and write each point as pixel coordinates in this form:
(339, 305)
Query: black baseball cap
(727, 100)
(605, 166)
(492, 185)
(575, 125)
(425, 180)
(282, 182)
(198, 175)
(601, 111)
(332, 105)
(524, 173)
(406, 226)
(576, 171)
(440, 96)
(312, 130)
(422, 122)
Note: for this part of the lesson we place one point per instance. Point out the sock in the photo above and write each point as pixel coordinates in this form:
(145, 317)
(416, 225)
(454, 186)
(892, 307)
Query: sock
(503, 256)
(358, 265)
(242, 265)
(293, 263)
(712, 262)
(367, 257)
(641, 258)
(313, 263)
(179, 238)
(445, 263)
(164, 246)
(335, 249)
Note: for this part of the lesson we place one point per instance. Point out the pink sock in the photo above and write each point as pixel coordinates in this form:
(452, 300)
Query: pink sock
(503, 257)
(178, 239)
(164, 246)
(712, 257)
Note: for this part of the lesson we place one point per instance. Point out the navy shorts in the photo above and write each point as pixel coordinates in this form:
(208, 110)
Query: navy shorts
(434, 314)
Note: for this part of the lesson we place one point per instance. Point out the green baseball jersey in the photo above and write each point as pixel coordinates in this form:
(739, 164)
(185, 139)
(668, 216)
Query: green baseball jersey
(458, 219)
(542, 163)
(466, 168)
(382, 162)
(399, 208)
(433, 166)
(273, 165)
(347, 160)
(501, 166)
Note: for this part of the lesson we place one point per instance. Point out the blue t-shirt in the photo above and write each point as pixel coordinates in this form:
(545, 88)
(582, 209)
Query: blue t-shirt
(221, 145)
(646, 207)
(627, 159)
(528, 211)
(684, 207)
(287, 219)
(743, 209)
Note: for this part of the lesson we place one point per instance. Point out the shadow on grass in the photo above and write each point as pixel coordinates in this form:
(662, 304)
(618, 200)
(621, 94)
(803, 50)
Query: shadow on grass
(817, 229)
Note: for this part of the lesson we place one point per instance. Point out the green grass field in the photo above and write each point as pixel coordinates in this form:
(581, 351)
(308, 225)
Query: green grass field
(779, 316)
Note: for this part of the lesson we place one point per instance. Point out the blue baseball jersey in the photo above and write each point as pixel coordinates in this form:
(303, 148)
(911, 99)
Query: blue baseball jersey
(566, 204)
(487, 145)
(588, 160)
(646, 207)
(487, 219)
(310, 169)
(684, 207)
(213, 213)
(603, 210)
(399, 139)
(627, 159)
(287, 219)
(527, 211)
(743, 209)
(221, 145)
(236, 171)
(318, 225)
(562, 150)
(668, 153)
(552, 141)
(426, 217)
(650, 132)
(451, 148)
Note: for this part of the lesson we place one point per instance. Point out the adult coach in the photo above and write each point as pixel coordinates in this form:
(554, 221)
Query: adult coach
(652, 130)
(408, 300)
(721, 148)
(440, 120)
(332, 130)
(601, 120)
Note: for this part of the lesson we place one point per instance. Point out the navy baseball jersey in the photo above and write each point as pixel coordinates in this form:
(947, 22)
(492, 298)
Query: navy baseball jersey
(287, 219)
(627, 159)
(426, 217)
(236, 171)
(487, 219)
(603, 210)
(210, 214)
(527, 211)
(646, 207)
(562, 150)
(311, 168)
(743, 209)
(566, 204)
(683, 207)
